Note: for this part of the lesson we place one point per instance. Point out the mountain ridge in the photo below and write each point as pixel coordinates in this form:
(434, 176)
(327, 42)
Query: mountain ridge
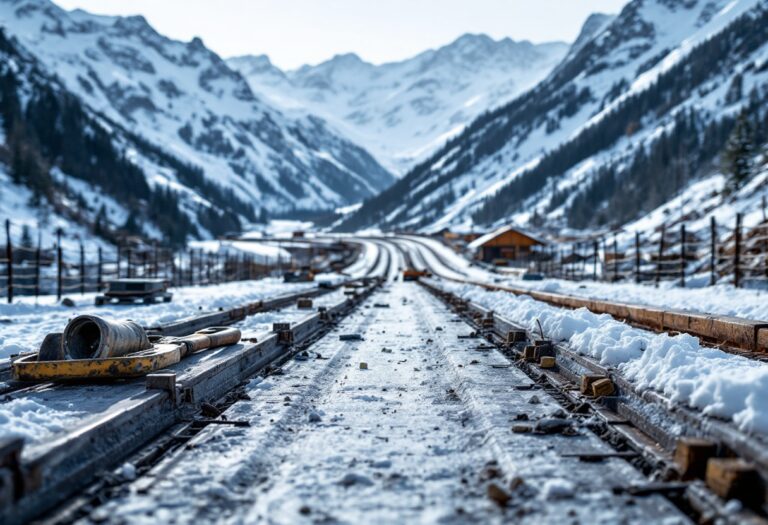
(403, 110)
(185, 100)
(536, 156)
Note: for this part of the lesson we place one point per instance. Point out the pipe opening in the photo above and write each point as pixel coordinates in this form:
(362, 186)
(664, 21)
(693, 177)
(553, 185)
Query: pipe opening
(83, 339)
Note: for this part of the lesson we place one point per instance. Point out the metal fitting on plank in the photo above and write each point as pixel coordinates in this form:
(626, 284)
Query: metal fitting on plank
(284, 333)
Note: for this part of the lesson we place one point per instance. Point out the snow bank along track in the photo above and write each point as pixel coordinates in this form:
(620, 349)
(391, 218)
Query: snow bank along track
(120, 418)
(734, 334)
(646, 428)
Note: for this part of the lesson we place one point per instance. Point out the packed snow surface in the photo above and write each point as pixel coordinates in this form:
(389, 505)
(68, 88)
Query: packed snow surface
(415, 436)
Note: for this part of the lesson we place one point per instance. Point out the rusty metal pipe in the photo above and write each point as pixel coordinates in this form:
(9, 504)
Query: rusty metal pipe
(91, 337)
(211, 338)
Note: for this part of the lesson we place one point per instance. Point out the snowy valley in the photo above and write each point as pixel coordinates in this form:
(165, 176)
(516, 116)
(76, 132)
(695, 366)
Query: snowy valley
(403, 111)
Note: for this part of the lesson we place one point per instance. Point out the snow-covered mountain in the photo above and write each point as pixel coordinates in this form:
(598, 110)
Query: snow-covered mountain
(641, 107)
(403, 111)
(188, 121)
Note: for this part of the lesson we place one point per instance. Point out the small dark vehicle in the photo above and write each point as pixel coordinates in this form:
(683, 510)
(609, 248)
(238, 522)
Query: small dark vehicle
(532, 276)
(305, 275)
(147, 291)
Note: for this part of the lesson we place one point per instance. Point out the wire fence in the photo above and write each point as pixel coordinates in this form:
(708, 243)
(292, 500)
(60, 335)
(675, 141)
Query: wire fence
(726, 253)
(28, 268)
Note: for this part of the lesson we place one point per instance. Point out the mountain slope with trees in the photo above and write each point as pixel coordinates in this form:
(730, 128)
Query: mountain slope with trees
(186, 128)
(635, 112)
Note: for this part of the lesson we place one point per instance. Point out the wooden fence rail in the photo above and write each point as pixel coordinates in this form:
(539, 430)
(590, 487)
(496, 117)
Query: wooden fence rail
(31, 269)
(720, 254)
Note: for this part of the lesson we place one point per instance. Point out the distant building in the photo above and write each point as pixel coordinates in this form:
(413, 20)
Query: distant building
(505, 244)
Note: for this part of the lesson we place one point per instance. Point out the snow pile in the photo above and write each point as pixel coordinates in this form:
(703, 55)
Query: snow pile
(721, 299)
(27, 417)
(260, 252)
(717, 383)
(557, 488)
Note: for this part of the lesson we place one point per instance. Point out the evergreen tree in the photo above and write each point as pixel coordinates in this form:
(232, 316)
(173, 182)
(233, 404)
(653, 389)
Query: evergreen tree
(738, 153)
(26, 237)
(132, 224)
(100, 224)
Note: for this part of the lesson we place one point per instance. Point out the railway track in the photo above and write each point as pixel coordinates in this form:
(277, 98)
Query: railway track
(420, 433)
(427, 411)
(647, 423)
(103, 423)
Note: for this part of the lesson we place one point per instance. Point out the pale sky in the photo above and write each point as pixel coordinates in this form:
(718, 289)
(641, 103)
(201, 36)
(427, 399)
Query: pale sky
(297, 32)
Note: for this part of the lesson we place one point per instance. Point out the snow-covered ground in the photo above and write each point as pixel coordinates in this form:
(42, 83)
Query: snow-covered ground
(40, 415)
(25, 324)
(722, 299)
(710, 380)
(415, 437)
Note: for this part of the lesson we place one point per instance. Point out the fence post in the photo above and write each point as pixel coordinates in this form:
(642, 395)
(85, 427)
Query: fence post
(129, 255)
(637, 257)
(191, 267)
(737, 252)
(37, 265)
(173, 268)
(100, 270)
(661, 255)
(9, 257)
(713, 251)
(682, 255)
(594, 260)
(117, 262)
(59, 270)
(82, 269)
(615, 260)
(155, 261)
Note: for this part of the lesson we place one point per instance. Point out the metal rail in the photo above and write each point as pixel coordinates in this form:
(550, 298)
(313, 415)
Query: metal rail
(34, 481)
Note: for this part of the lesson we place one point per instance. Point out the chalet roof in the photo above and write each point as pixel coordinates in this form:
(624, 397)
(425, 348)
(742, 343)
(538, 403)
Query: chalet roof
(480, 241)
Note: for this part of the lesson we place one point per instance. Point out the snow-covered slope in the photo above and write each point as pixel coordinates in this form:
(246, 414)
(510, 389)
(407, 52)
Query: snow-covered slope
(403, 111)
(183, 99)
(638, 109)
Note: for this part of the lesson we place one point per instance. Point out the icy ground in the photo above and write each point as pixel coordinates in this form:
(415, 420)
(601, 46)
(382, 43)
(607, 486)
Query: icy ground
(25, 324)
(720, 299)
(717, 383)
(417, 436)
